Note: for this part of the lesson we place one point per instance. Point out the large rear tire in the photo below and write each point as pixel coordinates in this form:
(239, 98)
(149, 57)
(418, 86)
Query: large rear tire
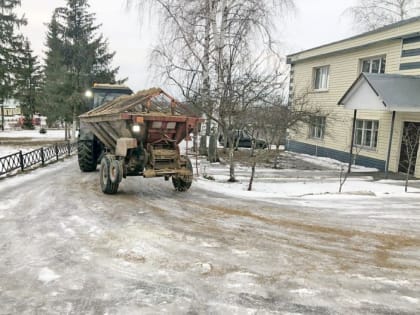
(86, 156)
(183, 183)
(107, 186)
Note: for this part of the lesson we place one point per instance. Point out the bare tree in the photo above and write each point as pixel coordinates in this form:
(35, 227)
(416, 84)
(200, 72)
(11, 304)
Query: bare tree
(372, 14)
(216, 53)
(410, 141)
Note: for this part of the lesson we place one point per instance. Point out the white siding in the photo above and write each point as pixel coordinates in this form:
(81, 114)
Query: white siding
(344, 69)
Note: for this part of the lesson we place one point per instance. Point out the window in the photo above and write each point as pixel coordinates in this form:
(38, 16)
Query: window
(373, 65)
(366, 133)
(317, 127)
(321, 78)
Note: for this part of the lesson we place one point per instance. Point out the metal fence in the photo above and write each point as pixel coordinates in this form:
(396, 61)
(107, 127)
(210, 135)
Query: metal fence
(41, 156)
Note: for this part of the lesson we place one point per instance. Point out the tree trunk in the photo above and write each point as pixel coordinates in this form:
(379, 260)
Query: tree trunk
(73, 127)
(203, 145)
(2, 114)
(232, 178)
(407, 175)
(66, 137)
(251, 180)
(212, 155)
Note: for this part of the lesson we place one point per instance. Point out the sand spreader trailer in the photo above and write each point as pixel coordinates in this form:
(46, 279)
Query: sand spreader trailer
(141, 133)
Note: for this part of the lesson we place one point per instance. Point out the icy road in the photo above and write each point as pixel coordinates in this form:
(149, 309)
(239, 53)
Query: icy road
(66, 248)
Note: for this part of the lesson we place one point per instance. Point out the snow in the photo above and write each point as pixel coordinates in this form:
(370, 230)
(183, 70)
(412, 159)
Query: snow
(27, 140)
(293, 245)
(33, 134)
(47, 275)
(306, 184)
(331, 163)
(11, 149)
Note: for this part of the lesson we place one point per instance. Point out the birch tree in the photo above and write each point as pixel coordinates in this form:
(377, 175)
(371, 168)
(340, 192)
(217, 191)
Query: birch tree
(372, 14)
(216, 53)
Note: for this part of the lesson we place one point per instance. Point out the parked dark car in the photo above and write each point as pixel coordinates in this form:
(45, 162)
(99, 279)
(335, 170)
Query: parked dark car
(245, 140)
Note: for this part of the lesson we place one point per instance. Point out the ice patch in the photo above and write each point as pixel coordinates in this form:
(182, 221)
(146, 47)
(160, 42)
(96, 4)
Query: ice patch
(304, 292)
(67, 230)
(411, 299)
(47, 275)
(203, 268)
(78, 220)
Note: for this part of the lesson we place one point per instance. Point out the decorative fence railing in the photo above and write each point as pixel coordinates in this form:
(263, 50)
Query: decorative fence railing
(22, 161)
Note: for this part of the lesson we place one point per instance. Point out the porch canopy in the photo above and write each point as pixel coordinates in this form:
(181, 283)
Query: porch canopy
(382, 92)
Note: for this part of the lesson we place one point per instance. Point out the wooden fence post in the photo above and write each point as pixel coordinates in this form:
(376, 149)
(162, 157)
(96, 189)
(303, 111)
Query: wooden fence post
(56, 151)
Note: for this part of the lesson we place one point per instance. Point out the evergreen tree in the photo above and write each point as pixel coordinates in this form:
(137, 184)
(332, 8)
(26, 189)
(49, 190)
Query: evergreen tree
(28, 79)
(56, 88)
(76, 58)
(10, 46)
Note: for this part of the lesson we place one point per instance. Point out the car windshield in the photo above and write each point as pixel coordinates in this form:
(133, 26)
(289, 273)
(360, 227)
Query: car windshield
(106, 96)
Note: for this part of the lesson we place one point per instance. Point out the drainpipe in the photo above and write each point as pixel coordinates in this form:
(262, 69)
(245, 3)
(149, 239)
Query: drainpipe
(352, 141)
(389, 144)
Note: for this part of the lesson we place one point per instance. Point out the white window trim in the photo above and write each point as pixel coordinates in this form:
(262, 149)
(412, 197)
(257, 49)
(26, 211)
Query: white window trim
(364, 129)
(323, 89)
(313, 127)
(372, 58)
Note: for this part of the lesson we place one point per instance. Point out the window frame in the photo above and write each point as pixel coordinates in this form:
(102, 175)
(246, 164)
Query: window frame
(322, 81)
(371, 133)
(382, 61)
(317, 127)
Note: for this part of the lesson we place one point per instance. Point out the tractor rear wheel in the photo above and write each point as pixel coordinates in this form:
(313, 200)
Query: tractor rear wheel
(183, 183)
(107, 185)
(86, 156)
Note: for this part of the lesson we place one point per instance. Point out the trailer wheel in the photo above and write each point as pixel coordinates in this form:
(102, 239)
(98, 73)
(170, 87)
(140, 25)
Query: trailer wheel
(107, 186)
(86, 156)
(183, 183)
(115, 171)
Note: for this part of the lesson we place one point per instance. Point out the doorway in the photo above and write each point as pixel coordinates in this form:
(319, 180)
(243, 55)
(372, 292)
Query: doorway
(409, 147)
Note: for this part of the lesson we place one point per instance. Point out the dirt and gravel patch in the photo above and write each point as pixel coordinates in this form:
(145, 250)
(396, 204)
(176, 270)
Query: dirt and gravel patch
(270, 159)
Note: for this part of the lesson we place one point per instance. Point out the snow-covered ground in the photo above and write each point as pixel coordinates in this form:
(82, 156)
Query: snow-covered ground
(293, 245)
(309, 184)
(11, 141)
(33, 134)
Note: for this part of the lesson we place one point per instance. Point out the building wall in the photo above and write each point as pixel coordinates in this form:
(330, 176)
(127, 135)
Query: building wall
(344, 68)
(407, 28)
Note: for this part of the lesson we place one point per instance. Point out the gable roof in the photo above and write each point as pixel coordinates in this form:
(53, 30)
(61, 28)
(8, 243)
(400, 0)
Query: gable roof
(387, 92)
(398, 30)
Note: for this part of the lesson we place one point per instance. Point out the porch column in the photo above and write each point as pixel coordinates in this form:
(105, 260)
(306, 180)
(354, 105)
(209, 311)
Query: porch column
(389, 144)
(352, 141)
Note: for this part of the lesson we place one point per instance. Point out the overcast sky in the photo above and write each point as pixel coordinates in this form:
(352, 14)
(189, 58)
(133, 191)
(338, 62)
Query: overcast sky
(314, 23)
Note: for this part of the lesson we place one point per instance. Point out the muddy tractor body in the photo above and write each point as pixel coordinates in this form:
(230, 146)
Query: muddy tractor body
(141, 135)
(90, 148)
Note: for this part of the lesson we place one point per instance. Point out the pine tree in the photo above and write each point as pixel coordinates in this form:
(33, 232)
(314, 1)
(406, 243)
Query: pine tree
(77, 57)
(10, 46)
(28, 79)
(56, 87)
